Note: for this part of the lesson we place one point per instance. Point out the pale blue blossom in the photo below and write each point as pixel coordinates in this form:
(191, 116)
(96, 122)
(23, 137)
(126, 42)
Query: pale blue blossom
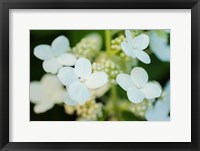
(159, 45)
(160, 112)
(45, 93)
(80, 80)
(137, 86)
(134, 47)
(56, 55)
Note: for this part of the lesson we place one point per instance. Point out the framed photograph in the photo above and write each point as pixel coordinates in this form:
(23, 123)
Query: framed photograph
(99, 75)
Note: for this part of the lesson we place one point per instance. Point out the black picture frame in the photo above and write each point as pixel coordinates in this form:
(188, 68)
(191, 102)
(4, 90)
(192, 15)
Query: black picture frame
(5, 5)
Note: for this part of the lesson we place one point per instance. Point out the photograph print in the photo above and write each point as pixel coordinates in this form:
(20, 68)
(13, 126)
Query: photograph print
(100, 75)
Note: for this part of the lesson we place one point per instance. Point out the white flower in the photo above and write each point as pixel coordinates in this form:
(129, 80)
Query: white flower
(134, 47)
(159, 46)
(160, 112)
(46, 93)
(137, 85)
(80, 80)
(56, 55)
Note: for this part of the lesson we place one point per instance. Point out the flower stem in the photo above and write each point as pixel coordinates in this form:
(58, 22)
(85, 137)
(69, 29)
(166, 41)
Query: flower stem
(113, 93)
(108, 41)
(114, 100)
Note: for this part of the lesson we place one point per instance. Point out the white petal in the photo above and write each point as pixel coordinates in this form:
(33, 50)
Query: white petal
(166, 92)
(50, 83)
(58, 96)
(79, 92)
(151, 91)
(127, 49)
(125, 81)
(60, 45)
(51, 66)
(139, 77)
(142, 56)
(67, 75)
(67, 59)
(129, 37)
(159, 112)
(135, 95)
(69, 101)
(167, 87)
(162, 107)
(35, 92)
(43, 107)
(43, 52)
(97, 80)
(52, 88)
(151, 115)
(141, 42)
(159, 46)
(83, 68)
(162, 52)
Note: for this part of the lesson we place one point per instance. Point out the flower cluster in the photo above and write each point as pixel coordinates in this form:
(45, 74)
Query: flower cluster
(91, 110)
(109, 67)
(115, 43)
(88, 47)
(86, 79)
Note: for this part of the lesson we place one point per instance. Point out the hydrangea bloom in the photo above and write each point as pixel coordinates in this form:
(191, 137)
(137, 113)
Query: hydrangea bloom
(46, 93)
(80, 80)
(137, 85)
(134, 47)
(160, 112)
(56, 55)
(159, 46)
